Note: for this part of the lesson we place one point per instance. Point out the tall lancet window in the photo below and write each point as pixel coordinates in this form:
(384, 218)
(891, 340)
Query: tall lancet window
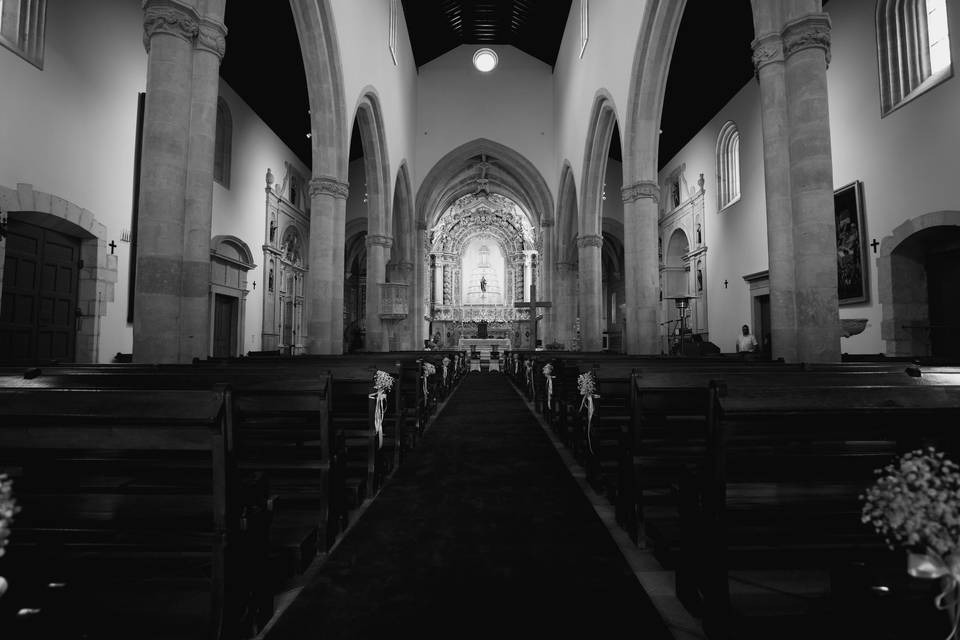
(728, 165)
(22, 27)
(223, 144)
(913, 46)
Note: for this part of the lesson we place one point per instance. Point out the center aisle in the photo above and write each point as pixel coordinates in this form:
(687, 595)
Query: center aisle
(482, 532)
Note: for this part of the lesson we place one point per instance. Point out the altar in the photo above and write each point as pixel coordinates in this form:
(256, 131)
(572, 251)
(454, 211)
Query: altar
(484, 345)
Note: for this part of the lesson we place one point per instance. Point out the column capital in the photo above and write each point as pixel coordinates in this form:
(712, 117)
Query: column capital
(328, 186)
(547, 222)
(643, 189)
(402, 266)
(809, 32)
(589, 241)
(212, 37)
(381, 241)
(421, 225)
(566, 267)
(767, 49)
(169, 17)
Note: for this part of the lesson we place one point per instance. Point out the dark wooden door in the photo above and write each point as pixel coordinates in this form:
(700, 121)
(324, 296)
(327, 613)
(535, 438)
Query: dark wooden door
(943, 290)
(38, 313)
(226, 320)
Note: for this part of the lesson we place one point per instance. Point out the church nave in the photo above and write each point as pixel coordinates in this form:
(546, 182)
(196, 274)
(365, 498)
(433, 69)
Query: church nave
(482, 532)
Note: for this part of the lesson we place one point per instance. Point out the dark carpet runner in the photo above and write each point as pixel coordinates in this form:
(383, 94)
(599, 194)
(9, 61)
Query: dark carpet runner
(482, 532)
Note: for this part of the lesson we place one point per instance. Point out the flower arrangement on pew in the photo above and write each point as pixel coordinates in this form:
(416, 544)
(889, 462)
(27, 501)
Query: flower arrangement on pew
(446, 366)
(915, 504)
(428, 370)
(588, 390)
(8, 508)
(548, 374)
(382, 383)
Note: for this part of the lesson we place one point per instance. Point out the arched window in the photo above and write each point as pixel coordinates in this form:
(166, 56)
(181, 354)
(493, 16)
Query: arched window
(728, 165)
(223, 144)
(913, 46)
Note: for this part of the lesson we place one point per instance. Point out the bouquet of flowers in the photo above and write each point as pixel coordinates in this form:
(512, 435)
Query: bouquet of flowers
(586, 384)
(8, 508)
(382, 383)
(915, 504)
(429, 369)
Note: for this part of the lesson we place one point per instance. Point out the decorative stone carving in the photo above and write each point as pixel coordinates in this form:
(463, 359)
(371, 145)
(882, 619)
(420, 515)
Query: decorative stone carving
(590, 241)
(328, 186)
(212, 37)
(809, 32)
(171, 18)
(383, 241)
(643, 189)
(767, 50)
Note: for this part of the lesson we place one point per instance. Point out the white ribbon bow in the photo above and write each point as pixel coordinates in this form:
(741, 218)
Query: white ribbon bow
(549, 390)
(380, 395)
(932, 566)
(588, 401)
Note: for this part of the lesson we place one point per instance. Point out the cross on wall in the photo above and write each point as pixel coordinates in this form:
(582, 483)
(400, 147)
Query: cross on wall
(533, 305)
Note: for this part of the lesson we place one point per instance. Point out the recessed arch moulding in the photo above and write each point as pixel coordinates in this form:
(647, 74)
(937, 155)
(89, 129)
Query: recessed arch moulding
(490, 170)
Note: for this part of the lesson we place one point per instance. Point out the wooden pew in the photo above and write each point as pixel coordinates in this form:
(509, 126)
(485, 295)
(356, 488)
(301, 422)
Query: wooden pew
(128, 500)
(779, 485)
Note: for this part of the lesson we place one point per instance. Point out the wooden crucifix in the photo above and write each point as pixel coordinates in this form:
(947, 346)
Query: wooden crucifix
(534, 305)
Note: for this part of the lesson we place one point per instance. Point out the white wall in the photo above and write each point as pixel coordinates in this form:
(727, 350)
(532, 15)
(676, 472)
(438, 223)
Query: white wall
(512, 105)
(736, 237)
(907, 161)
(241, 210)
(362, 28)
(70, 129)
(607, 65)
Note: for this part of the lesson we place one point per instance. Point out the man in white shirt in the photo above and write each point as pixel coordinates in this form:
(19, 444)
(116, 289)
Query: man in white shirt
(746, 343)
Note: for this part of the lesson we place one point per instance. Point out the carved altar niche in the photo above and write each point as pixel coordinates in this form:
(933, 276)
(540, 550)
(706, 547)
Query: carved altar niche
(683, 254)
(495, 218)
(285, 254)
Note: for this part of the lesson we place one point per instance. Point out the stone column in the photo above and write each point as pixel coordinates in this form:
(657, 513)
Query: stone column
(327, 197)
(769, 63)
(169, 171)
(377, 247)
(209, 48)
(807, 53)
(546, 266)
(527, 257)
(590, 291)
(565, 302)
(403, 273)
(336, 290)
(642, 266)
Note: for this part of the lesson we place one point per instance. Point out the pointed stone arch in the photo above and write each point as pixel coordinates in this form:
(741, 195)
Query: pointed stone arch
(402, 266)
(98, 274)
(512, 175)
(603, 121)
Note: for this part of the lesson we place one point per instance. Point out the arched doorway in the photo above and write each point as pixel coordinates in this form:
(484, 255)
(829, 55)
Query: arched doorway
(57, 279)
(919, 287)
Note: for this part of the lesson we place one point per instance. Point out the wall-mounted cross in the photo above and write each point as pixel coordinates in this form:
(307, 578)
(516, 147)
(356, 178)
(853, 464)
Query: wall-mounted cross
(725, 284)
(874, 244)
(533, 305)
(112, 245)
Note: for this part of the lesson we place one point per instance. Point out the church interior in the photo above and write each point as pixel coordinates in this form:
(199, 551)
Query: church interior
(479, 317)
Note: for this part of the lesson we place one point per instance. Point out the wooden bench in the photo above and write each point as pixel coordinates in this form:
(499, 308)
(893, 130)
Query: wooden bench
(779, 485)
(130, 500)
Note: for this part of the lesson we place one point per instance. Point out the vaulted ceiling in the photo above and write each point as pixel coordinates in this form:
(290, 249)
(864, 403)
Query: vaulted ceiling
(533, 26)
(711, 61)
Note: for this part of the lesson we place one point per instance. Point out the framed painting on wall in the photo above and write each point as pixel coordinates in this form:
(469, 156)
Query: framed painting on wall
(851, 248)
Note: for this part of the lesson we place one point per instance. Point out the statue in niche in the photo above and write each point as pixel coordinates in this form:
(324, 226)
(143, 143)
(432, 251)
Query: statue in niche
(483, 284)
(699, 279)
(273, 231)
(699, 235)
(290, 247)
(675, 193)
(270, 280)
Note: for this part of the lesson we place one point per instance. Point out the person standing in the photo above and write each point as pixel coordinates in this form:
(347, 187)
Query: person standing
(746, 343)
